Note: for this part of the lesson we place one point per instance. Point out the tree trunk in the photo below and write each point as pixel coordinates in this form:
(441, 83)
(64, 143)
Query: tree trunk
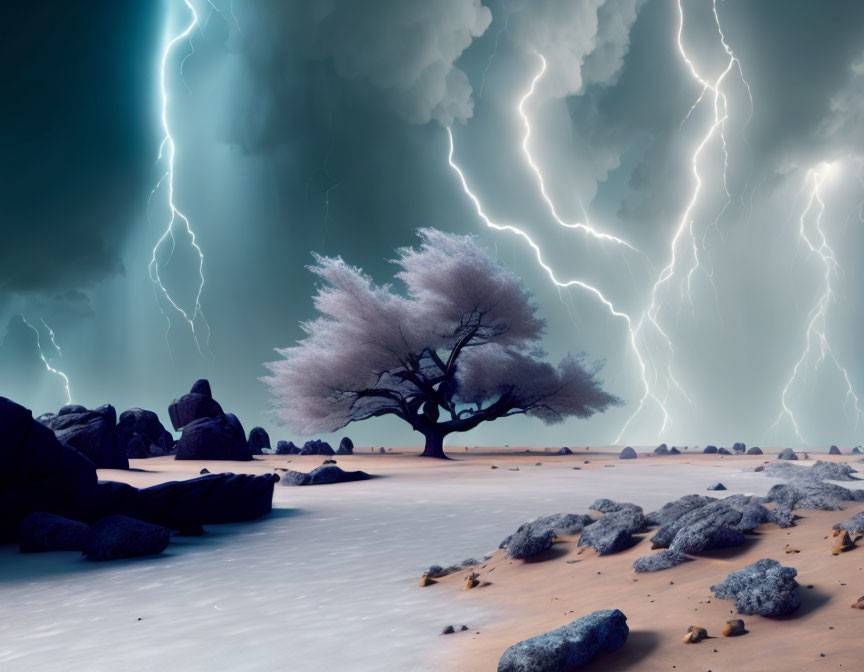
(434, 446)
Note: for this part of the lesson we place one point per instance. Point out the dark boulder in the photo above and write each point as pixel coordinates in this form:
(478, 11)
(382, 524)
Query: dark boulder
(627, 454)
(615, 529)
(259, 440)
(662, 449)
(286, 448)
(570, 646)
(739, 448)
(710, 450)
(194, 406)
(834, 450)
(716, 486)
(323, 475)
(346, 446)
(723, 451)
(220, 438)
(765, 588)
(754, 450)
(536, 536)
(673, 510)
(705, 535)
(91, 432)
(291, 478)
(140, 434)
(674, 451)
(117, 537)
(659, 561)
(41, 531)
(787, 454)
(316, 447)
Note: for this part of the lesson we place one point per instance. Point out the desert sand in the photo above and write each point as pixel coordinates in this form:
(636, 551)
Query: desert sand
(340, 564)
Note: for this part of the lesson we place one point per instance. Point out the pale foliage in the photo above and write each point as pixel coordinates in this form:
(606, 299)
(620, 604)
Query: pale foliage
(458, 347)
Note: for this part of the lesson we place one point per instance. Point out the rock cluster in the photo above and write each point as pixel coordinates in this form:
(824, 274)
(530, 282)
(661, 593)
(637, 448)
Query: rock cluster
(536, 536)
(91, 432)
(208, 433)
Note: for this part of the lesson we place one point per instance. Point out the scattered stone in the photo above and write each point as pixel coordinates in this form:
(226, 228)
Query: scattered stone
(734, 628)
(614, 531)
(450, 629)
(754, 450)
(570, 646)
(117, 537)
(40, 532)
(717, 486)
(471, 581)
(842, 542)
(765, 588)
(656, 562)
(565, 451)
(789, 549)
(834, 450)
(705, 535)
(695, 634)
(627, 454)
(493, 467)
(787, 454)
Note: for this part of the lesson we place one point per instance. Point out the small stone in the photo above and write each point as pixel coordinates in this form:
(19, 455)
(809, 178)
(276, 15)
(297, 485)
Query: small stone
(789, 549)
(426, 580)
(842, 542)
(471, 581)
(734, 628)
(695, 634)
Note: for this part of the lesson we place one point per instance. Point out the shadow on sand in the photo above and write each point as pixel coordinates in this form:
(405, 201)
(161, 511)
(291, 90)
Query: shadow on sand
(639, 645)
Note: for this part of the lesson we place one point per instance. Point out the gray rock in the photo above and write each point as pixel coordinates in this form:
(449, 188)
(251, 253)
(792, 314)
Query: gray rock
(857, 450)
(723, 451)
(614, 531)
(527, 542)
(820, 471)
(803, 494)
(675, 509)
(627, 454)
(658, 561)
(855, 524)
(324, 475)
(662, 449)
(754, 450)
(565, 451)
(717, 486)
(705, 535)
(710, 450)
(536, 536)
(291, 478)
(674, 451)
(787, 454)
(765, 588)
(40, 532)
(738, 448)
(117, 537)
(834, 450)
(722, 513)
(570, 646)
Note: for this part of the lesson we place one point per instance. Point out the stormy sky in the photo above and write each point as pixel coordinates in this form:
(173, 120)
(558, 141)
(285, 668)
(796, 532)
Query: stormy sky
(303, 127)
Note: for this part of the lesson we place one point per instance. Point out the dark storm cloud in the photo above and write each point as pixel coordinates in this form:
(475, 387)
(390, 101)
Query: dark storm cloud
(77, 121)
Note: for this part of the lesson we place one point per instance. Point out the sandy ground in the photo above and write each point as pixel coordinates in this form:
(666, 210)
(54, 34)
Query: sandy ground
(340, 564)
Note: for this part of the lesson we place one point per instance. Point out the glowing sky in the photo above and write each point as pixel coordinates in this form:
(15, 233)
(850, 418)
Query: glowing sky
(301, 127)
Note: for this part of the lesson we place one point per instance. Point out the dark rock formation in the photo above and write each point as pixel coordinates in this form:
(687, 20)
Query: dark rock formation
(323, 475)
(565, 451)
(117, 537)
(820, 471)
(614, 531)
(754, 450)
(673, 510)
(91, 432)
(662, 449)
(716, 486)
(536, 536)
(723, 451)
(674, 451)
(738, 448)
(202, 387)
(259, 441)
(570, 646)
(705, 535)
(627, 454)
(48, 532)
(316, 447)
(659, 561)
(194, 406)
(710, 450)
(219, 438)
(287, 448)
(787, 454)
(765, 588)
(346, 446)
(834, 450)
(140, 434)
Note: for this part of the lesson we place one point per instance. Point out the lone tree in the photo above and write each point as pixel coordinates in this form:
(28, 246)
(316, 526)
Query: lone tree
(458, 348)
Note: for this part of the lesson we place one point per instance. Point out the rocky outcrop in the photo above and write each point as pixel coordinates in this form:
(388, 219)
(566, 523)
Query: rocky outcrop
(834, 450)
(570, 646)
(198, 404)
(91, 432)
(662, 449)
(219, 438)
(259, 441)
(316, 447)
(286, 448)
(705, 535)
(710, 450)
(140, 434)
(346, 446)
(765, 588)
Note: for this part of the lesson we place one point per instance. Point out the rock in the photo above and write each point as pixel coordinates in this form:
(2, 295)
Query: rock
(194, 406)
(323, 475)
(570, 646)
(739, 448)
(614, 531)
(820, 471)
(720, 513)
(854, 525)
(710, 450)
(705, 535)
(40, 532)
(673, 510)
(674, 451)
(450, 629)
(471, 581)
(536, 536)
(219, 438)
(765, 588)
(346, 446)
(259, 441)
(723, 451)
(287, 448)
(834, 450)
(662, 449)
(316, 447)
(717, 486)
(695, 634)
(202, 386)
(426, 580)
(859, 603)
(659, 561)
(734, 627)
(205, 470)
(842, 542)
(789, 549)
(141, 435)
(565, 451)
(91, 432)
(754, 450)
(787, 454)
(117, 537)
(627, 454)
(381, 450)
(857, 450)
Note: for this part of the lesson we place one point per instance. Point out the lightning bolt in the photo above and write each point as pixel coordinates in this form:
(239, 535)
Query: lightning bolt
(167, 152)
(816, 336)
(48, 367)
(712, 91)
(561, 284)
